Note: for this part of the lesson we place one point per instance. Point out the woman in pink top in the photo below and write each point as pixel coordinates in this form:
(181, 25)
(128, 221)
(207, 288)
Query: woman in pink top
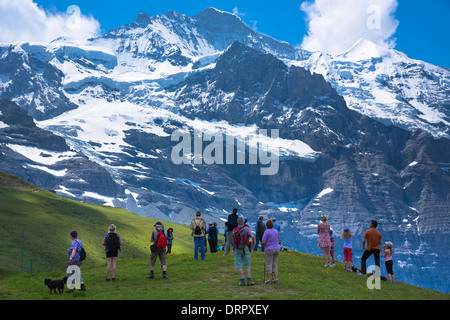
(323, 229)
(387, 254)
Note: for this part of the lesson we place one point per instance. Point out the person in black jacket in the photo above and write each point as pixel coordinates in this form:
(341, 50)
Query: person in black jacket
(232, 223)
(260, 228)
(112, 243)
(213, 233)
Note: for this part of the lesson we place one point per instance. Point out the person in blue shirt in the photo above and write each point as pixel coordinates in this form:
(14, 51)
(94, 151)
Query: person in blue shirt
(74, 257)
(276, 225)
(169, 240)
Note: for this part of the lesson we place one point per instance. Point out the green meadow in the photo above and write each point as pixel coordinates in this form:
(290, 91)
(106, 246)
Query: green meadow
(46, 220)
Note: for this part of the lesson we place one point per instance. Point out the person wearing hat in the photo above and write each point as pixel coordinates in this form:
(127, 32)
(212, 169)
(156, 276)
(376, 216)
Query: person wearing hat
(212, 232)
(348, 250)
(169, 240)
(158, 236)
(387, 255)
(242, 253)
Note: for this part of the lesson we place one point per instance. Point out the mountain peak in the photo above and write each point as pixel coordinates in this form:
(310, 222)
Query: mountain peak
(214, 11)
(365, 49)
(143, 19)
(218, 17)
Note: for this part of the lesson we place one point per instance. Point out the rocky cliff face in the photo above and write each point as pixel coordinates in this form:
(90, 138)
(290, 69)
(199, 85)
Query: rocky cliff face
(107, 111)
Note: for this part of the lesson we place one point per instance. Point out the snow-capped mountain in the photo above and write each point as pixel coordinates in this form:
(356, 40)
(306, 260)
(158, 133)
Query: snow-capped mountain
(362, 135)
(389, 86)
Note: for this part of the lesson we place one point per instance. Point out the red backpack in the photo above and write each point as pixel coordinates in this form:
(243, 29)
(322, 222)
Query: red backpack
(161, 240)
(239, 239)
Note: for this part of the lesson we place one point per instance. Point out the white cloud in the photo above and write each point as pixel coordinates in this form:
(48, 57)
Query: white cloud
(24, 20)
(335, 25)
(236, 12)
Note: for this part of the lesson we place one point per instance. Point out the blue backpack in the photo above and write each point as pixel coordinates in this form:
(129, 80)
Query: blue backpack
(232, 222)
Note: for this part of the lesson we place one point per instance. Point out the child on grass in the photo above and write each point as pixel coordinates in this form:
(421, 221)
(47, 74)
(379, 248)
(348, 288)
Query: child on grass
(387, 254)
(348, 251)
(332, 247)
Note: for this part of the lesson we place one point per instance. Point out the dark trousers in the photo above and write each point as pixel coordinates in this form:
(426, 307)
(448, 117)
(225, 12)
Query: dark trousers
(212, 245)
(366, 255)
(389, 267)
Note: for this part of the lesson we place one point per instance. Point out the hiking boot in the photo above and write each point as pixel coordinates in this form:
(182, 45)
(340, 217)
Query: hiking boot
(250, 282)
(82, 288)
(151, 276)
(165, 276)
(242, 282)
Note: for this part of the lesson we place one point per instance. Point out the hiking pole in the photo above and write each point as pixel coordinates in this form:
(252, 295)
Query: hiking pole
(264, 278)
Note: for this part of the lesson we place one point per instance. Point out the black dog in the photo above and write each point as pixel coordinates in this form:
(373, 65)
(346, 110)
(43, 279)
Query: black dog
(56, 284)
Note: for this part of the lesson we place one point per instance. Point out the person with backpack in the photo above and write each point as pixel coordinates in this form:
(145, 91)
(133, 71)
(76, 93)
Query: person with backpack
(232, 223)
(212, 232)
(158, 250)
(217, 237)
(242, 240)
(260, 228)
(198, 227)
(76, 256)
(112, 243)
(169, 240)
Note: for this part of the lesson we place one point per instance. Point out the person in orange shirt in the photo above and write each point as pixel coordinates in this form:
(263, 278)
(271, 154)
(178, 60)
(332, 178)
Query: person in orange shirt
(373, 238)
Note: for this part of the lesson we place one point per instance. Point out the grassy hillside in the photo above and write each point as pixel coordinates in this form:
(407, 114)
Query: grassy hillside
(47, 220)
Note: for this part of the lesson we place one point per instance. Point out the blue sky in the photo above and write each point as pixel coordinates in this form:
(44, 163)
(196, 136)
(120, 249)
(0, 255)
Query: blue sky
(422, 32)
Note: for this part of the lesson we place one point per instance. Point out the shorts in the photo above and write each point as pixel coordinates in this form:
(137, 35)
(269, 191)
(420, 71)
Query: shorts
(159, 252)
(348, 254)
(112, 253)
(241, 258)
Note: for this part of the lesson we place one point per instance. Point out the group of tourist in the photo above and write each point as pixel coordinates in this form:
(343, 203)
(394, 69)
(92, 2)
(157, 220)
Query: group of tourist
(240, 239)
(373, 239)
